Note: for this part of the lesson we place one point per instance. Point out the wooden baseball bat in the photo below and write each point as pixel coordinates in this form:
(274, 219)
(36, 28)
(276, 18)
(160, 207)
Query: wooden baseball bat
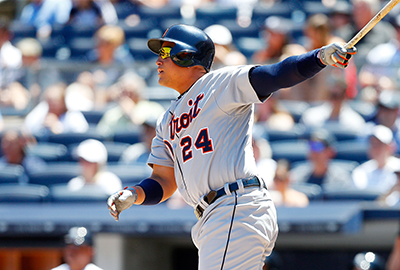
(379, 16)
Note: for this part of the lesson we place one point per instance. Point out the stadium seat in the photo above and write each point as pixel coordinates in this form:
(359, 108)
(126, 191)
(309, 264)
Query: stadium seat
(49, 152)
(238, 31)
(249, 45)
(12, 174)
(130, 173)
(69, 138)
(56, 173)
(80, 47)
(93, 116)
(158, 14)
(22, 30)
(129, 135)
(291, 150)
(352, 150)
(313, 191)
(139, 50)
(295, 108)
(213, 14)
(61, 193)
(297, 132)
(350, 195)
(16, 193)
(140, 30)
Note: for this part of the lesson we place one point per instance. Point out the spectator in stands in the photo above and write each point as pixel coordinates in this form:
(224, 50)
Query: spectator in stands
(139, 152)
(368, 261)
(379, 72)
(111, 47)
(10, 57)
(79, 251)
(363, 11)
(392, 197)
(378, 173)
(319, 168)
(340, 17)
(44, 14)
(111, 57)
(36, 74)
(277, 34)
(226, 53)
(52, 116)
(131, 108)
(393, 262)
(93, 156)
(14, 144)
(387, 114)
(85, 13)
(335, 112)
(281, 191)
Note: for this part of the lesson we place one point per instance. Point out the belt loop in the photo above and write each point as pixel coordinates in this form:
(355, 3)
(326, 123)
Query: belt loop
(227, 189)
(203, 203)
(240, 185)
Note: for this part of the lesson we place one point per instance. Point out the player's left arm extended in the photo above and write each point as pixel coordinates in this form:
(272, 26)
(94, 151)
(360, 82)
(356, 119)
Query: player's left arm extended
(296, 69)
(153, 190)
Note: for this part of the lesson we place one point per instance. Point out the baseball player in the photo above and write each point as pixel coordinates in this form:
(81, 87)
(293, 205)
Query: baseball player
(203, 145)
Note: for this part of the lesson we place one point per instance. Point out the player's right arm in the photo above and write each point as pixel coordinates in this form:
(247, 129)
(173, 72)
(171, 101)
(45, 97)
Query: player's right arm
(153, 190)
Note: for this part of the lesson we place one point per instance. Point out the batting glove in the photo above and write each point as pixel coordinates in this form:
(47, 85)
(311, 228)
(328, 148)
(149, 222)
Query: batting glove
(336, 55)
(120, 201)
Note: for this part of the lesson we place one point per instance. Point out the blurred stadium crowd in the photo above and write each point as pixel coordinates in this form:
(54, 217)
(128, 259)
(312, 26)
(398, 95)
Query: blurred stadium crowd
(79, 96)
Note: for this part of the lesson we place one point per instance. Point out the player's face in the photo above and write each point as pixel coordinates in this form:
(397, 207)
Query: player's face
(173, 76)
(168, 72)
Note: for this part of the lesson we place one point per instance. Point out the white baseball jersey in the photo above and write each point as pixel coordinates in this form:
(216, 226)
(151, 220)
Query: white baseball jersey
(206, 134)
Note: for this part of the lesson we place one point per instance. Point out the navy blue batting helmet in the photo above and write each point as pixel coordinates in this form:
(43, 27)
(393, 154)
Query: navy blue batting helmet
(192, 46)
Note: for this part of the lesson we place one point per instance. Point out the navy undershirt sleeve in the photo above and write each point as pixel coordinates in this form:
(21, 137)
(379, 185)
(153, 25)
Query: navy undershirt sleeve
(291, 71)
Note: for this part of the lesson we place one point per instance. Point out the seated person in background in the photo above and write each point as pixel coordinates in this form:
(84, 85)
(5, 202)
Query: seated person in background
(52, 116)
(335, 111)
(78, 252)
(387, 114)
(281, 192)
(277, 34)
(44, 14)
(378, 173)
(225, 52)
(36, 74)
(139, 152)
(93, 156)
(111, 57)
(392, 197)
(131, 108)
(13, 147)
(319, 168)
(85, 12)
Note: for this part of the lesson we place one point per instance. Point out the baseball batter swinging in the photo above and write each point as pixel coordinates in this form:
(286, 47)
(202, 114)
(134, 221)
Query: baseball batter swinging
(203, 145)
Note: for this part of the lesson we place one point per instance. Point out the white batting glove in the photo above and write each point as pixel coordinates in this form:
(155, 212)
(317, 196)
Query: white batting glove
(336, 55)
(120, 201)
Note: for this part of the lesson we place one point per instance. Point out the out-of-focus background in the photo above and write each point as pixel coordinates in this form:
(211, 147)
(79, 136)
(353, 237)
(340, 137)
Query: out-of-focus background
(79, 99)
